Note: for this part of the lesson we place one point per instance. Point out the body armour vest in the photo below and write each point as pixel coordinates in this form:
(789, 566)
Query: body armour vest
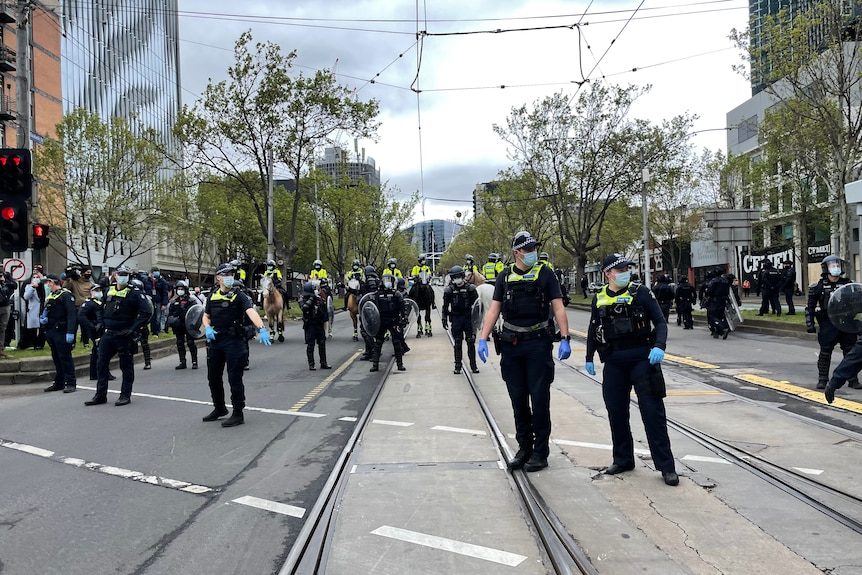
(225, 311)
(460, 299)
(388, 304)
(828, 288)
(119, 308)
(622, 317)
(524, 301)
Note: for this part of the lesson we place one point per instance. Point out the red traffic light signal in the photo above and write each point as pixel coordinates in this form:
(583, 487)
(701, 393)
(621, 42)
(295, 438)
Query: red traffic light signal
(16, 175)
(13, 225)
(40, 235)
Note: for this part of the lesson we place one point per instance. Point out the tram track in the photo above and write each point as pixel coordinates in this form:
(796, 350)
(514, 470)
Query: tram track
(798, 485)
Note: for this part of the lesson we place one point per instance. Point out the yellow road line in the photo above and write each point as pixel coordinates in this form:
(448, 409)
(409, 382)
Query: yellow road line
(689, 361)
(815, 395)
(324, 384)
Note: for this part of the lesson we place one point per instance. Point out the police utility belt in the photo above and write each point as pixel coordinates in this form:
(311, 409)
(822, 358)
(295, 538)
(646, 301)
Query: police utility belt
(512, 333)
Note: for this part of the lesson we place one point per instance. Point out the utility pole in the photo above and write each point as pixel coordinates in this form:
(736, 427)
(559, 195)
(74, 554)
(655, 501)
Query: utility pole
(22, 74)
(645, 177)
(270, 241)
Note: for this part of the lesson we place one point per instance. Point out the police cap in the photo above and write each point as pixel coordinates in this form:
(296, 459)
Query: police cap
(123, 270)
(225, 269)
(523, 240)
(612, 261)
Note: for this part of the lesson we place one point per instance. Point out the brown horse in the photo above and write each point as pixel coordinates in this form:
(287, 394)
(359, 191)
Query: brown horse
(273, 306)
(474, 278)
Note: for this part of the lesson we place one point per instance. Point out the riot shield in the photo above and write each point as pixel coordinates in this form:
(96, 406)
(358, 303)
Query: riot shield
(845, 308)
(149, 305)
(732, 313)
(413, 310)
(330, 308)
(194, 321)
(370, 317)
(477, 315)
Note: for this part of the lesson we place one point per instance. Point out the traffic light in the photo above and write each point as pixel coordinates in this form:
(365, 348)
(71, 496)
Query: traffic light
(16, 174)
(40, 236)
(13, 226)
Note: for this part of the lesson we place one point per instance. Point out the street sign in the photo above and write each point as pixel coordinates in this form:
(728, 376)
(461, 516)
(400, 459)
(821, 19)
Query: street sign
(17, 268)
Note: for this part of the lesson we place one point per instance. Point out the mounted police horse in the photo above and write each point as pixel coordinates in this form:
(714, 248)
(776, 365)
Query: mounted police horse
(353, 287)
(485, 290)
(423, 294)
(273, 306)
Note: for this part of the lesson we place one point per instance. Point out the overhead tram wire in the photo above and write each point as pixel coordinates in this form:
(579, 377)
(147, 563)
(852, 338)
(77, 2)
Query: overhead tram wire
(377, 75)
(420, 39)
(608, 49)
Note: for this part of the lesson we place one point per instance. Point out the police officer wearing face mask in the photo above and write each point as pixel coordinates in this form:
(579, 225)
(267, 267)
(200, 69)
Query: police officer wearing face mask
(629, 331)
(354, 277)
(526, 293)
(125, 312)
(370, 285)
(829, 336)
(390, 304)
(60, 321)
(224, 314)
(318, 272)
(458, 300)
(91, 320)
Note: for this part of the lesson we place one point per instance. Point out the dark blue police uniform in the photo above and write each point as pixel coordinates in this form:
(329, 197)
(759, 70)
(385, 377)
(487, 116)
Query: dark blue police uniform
(526, 359)
(62, 319)
(624, 344)
(458, 306)
(226, 313)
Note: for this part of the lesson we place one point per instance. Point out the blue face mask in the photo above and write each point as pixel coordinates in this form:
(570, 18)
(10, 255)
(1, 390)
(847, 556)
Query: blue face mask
(228, 282)
(156, 274)
(623, 279)
(122, 280)
(531, 258)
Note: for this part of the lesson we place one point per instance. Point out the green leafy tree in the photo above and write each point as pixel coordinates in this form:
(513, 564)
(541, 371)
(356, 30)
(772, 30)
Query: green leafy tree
(110, 187)
(264, 108)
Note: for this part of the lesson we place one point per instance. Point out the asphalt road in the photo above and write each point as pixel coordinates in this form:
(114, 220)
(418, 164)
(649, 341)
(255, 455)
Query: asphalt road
(150, 488)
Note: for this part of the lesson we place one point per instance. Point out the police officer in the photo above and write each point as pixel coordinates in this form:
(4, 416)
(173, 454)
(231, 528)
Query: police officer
(356, 274)
(314, 318)
(392, 268)
(470, 264)
(829, 336)
(318, 272)
(621, 331)
(60, 322)
(493, 267)
(544, 257)
(240, 272)
(143, 334)
(177, 309)
(222, 321)
(769, 281)
(715, 298)
(458, 300)
(685, 300)
(390, 304)
(91, 320)
(664, 294)
(125, 312)
(525, 295)
(275, 274)
(788, 285)
(372, 282)
(419, 268)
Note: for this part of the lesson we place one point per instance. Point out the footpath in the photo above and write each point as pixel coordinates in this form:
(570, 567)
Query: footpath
(430, 492)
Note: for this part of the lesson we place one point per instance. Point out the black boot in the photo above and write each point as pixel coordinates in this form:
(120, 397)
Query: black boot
(457, 369)
(374, 367)
(400, 363)
(216, 413)
(235, 419)
(309, 353)
(182, 365)
(322, 350)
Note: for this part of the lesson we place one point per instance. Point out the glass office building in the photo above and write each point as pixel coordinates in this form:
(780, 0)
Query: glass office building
(121, 59)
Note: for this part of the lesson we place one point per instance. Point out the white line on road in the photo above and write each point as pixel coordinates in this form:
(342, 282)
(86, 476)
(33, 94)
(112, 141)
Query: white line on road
(108, 469)
(706, 459)
(460, 430)
(594, 445)
(273, 506)
(199, 402)
(809, 471)
(379, 421)
(459, 547)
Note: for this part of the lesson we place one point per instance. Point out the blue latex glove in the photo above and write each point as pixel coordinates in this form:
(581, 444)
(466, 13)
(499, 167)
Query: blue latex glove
(656, 355)
(70, 338)
(565, 350)
(483, 350)
(264, 337)
(211, 333)
(591, 368)
(43, 319)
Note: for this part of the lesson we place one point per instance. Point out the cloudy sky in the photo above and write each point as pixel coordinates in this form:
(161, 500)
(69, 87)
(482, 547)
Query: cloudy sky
(680, 48)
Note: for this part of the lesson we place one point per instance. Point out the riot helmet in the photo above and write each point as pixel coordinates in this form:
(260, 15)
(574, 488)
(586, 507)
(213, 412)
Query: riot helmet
(543, 256)
(401, 283)
(355, 265)
(137, 284)
(469, 259)
(421, 260)
(832, 264)
(457, 275)
(682, 279)
(235, 263)
(318, 264)
(270, 264)
(370, 271)
(392, 263)
(388, 281)
(307, 288)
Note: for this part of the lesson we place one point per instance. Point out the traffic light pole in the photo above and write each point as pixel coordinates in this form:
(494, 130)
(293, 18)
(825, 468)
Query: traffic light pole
(22, 74)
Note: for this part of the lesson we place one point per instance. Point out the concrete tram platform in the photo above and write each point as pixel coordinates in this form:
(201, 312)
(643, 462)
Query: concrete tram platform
(430, 495)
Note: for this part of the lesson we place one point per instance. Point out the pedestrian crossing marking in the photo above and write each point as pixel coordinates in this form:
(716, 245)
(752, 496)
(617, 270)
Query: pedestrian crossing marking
(451, 545)
(273, 506)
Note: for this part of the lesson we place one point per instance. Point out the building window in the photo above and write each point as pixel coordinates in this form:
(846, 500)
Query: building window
(746, 129)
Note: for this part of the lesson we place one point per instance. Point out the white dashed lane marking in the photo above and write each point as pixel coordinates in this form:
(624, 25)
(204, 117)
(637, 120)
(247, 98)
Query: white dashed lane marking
(273, 506)
(460, 430)
(706, 459)
(379, 421)
(209, 403)
(451, 545)
(108, 469)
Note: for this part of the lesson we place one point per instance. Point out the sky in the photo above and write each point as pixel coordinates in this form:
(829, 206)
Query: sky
(441, 142)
